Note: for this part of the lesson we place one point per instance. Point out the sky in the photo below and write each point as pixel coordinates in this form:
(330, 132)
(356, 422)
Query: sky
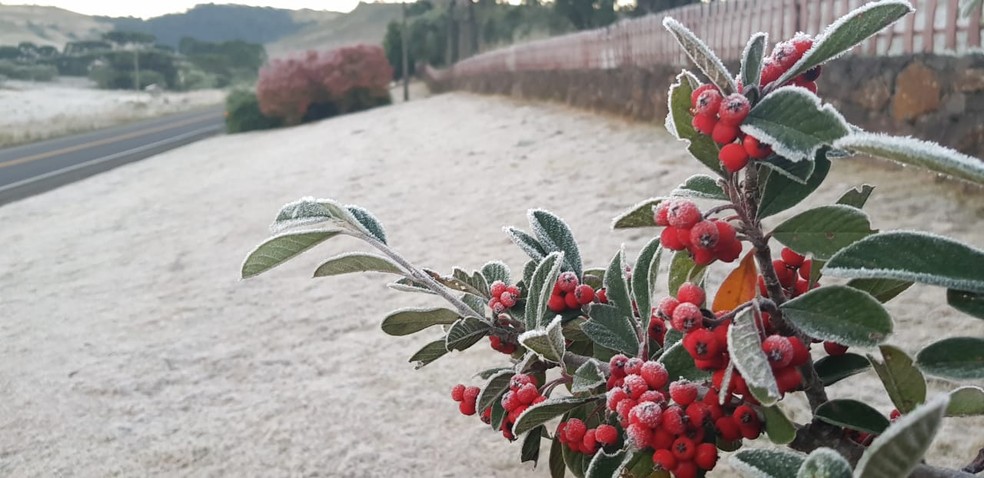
(147, 9)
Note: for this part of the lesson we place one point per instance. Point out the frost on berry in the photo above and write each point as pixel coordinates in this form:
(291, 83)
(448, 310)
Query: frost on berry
(683, 214)
(567, 281)
(646, 413)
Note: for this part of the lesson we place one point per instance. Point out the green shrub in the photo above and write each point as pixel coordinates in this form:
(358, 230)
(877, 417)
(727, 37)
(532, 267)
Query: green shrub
(243, 113)
(18, 71)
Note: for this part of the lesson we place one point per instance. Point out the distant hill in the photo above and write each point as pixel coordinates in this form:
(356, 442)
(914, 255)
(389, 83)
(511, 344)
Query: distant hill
(47, 26)
(366, 24)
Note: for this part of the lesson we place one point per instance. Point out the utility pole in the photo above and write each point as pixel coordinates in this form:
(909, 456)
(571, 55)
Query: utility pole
(404, 40)
(136, 67)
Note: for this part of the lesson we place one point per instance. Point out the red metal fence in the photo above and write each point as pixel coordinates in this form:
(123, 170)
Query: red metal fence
(936, 27)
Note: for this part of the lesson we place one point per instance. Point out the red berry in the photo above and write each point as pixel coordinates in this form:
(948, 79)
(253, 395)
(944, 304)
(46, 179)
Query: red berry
(801, 43)
(778, 350)
(646, 413)
(698, 413)
(801, 354)
(685, 469)
(466, 408)
(745, 415)
(517, 381)
(895, 414)
(655, 375)
(733, 157)
(704, 234)
(697, 92)
(497, 306)
(575, 430)
(606, 434)
(730, 252)
(458, 392)
(734, 109)
(633, 366)
(657, 328)
(683, 235)
(704, 124)
(683, 449)
(661, 439)
(617, 365)
(687, 317)
(788, 379)
(770, 72)
(787, 276)
(570, 300)
(708, 102)
(653, 396)
(584, 294)
(470, 394)
(801, 287)
(784, 55)
(706, 456)
(623, 408)
(507, 299)
(602, 296)
(659, 214)
(683, 392)
(635, 386)
(834, 348)
(701, 256)
(497, 288)
(727, 428)
(670, 240)
(567, 281)
(690, 292)
(589, 444)
(637, 435)
(755, 149)
(527, 393)
(673, 420)
(683, 214)
(557, 303)
(702, 344)
(805, 269)
(724, 133)
(666, 307)
(614, 396)
(791, 258)
(664, 459)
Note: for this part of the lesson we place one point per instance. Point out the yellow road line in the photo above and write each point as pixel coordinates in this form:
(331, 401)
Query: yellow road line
(78, 147)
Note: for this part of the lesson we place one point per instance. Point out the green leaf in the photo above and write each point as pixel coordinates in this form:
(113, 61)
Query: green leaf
(779, 428)
(781, 193)
(555, 235)
(797, 171)
(548, 343)
(604, 465)
(407, 321)
(489, 372)
(458, 281)
(834, 368)
(356, 262)
(904, 383)
(616, 287)
(699, 186)
(823, 231)
(429, 353)
(911, 151)
(309, 211)
(824, 463)
(763, 463)
(882, 289)
(369, 222)
(498, 416)
(541, 285)
(557, 467)
(971, 303)
(966, 402)
(497, 385)
(644, 276)
(852, 414)
(683, 269)
(531, 446)
(846, 32)
(956, 358)
(611, 329)
(640, 215)
(751, 59)
(794, 123)
(679, 123)
(587, 377)
(856, 197)
(902, 446)
(280, 249)
(840, 314)
(576, 462)
(679, 363)
(746, 352)
(496, 271)
(912, 256)
(527, 243)
(409, 285)
(540, 413)
(702, 56)
(466, 332)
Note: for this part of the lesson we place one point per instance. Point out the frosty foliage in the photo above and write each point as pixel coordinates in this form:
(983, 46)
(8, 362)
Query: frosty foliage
(702, 56)
(762, 463)
(752, 57)
(916, 152)
(748, 357)
(548, 343)
(795, 123)
(824, 463)
(309, 211)
(898, 450)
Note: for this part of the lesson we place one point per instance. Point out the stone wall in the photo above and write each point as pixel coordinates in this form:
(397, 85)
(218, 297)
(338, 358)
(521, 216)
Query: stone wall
(933, 97)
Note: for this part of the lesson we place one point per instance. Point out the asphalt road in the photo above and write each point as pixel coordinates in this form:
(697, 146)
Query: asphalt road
(34, 168)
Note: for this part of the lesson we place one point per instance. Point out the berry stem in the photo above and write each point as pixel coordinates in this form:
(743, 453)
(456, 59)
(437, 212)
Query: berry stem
(714, 210)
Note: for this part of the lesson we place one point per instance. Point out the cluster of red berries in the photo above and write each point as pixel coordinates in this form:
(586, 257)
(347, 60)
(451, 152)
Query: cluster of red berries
(576, 435)
(504, 297)
(570, 294)
(784, 56)
(522, 394)
(793, 271)
(865, 438)
(720, 117)
(707, 240)
(466, 397)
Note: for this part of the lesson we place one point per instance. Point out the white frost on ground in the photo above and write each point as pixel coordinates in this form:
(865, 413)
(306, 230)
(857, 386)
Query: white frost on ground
(32, 111)
(130, 348)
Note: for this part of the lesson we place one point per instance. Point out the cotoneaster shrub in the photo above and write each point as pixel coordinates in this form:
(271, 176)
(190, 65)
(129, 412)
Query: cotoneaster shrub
(243, 113)
(662, 386)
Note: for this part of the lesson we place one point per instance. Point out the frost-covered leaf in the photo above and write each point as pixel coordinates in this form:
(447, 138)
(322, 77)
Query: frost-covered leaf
(498, 416)
(548, 342)
(852, 414)
(369, 222)
(429, 353)
(901, 447)
(794, 123)
(527, 243)
(840, 314)
(356, 262)
(540, 413)
(497, 385)
(781, 193)
(576, 462)
(557, 467)
(612, 329)
(778, 427)
(739, 287)
(966, 402)
(616, 287)
(911, 256)
(955, 358)
(640, 215)
(882, 289)
(904, 383)
(856, 197)
(604, 465)
(555, 235)
(489, 372)
(531, 446)
(280, 249)
(846, 32)
(587, 377)
(309, 211)
(496, 271)
(916, 152)
(644, 276)
(683, 269)
(702, 56)
(745, 348)
(540, 287)
(763, 463)
(466, 332)
(796, 171)
(700, 186)
(407, 321)
(679, 363)
(824, 463)
(822, 231)
(461, 283)
(679, 123)
(751, 59)
(834, 368)
(971, 303)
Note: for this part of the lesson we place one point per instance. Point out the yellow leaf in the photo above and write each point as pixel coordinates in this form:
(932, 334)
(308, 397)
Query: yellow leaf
(739, 287)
